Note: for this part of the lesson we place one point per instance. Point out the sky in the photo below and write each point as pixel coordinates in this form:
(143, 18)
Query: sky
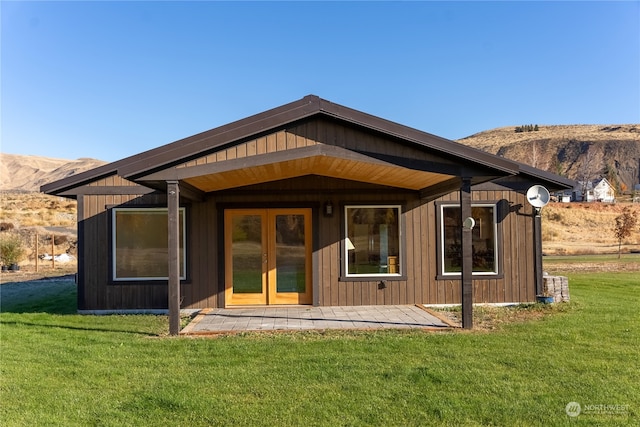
(108, 80)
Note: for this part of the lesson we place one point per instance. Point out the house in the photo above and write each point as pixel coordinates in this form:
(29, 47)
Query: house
(308, 203)
(598, 190)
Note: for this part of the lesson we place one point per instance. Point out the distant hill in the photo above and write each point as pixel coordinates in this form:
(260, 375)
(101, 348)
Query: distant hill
(28, 173)
(575, 151)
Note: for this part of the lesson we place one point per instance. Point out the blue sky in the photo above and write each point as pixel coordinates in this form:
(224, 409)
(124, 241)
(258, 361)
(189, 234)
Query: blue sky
(111, 79)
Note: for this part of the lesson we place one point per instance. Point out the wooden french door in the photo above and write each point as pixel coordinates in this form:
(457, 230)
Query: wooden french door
(267, 256)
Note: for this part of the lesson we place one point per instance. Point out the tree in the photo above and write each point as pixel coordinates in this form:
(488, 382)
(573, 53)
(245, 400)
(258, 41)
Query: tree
(625, 223)
(586, 170)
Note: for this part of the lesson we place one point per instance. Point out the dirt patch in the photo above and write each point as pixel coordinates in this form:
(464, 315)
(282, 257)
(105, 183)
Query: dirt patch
(28, 273)
(490, 318)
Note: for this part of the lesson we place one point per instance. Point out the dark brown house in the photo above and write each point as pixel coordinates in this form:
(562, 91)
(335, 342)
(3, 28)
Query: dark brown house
(307, 203)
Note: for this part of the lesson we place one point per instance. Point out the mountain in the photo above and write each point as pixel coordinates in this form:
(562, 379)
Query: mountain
(28, 173)
(578, 152)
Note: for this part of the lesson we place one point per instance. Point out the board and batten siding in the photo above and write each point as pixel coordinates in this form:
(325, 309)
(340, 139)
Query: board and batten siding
(309, 133)
(204, 286)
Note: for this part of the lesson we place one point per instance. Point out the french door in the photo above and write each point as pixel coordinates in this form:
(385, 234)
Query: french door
(267, 256)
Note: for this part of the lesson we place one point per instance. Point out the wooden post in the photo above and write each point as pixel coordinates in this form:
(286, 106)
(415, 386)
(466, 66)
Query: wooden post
(537, 242)
(53, 252)
(173, 213)
(37, 251)
(467, 256)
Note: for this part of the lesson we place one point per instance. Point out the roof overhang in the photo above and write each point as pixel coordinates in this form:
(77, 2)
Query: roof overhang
(319, 160)
(449, 162)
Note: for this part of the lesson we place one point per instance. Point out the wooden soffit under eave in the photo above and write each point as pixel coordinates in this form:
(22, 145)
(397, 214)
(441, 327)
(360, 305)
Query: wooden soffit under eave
(330, 161)
(392, 176)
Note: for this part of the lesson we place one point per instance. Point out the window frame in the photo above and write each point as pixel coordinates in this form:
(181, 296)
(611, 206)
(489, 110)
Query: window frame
(182, 212)
(498, 272)
(344, 265)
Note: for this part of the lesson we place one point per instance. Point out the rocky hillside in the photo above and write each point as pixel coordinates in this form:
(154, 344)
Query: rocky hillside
(28, 173)
(576, 151)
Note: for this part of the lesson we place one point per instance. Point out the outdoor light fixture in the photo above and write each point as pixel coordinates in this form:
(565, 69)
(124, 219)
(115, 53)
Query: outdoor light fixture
(328, 209)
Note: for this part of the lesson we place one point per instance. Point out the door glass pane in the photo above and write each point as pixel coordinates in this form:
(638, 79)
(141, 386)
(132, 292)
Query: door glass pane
(290, 253)
(246, 249)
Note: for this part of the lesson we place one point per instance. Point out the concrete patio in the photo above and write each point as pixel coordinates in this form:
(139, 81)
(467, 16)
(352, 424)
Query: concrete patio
(225, 320)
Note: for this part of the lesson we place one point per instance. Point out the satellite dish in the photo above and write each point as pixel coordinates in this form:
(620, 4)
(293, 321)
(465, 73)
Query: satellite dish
(538, 196)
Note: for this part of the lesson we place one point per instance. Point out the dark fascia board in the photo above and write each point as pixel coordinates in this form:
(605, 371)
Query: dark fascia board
(176, 152)
(442, 145)
(82, 178)
(194, 146)
(553, 180)
(198, 145)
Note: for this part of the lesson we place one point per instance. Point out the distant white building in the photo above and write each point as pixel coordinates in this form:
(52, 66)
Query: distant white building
(599, 190)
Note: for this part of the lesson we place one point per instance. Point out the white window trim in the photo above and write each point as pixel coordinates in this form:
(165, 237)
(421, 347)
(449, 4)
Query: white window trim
(346, 242)
(496, 258)
(113, 244)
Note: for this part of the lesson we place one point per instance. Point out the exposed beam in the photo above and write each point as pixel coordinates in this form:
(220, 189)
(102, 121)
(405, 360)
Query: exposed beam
(189, 192)
(180, 173)
(173, 208)
(445, 187)
(109, 190)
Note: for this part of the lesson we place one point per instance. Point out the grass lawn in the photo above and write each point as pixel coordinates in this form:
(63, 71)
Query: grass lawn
(59, 368)
(552, 260)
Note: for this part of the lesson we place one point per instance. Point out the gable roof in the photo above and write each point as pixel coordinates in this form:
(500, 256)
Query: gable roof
(148, 163)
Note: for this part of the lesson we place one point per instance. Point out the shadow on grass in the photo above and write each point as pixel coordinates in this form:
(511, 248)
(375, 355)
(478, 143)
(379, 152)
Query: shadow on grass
(51, 296)
(57, 295)
(78, 328)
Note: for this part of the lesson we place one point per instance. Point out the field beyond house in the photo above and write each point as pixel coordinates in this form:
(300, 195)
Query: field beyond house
(585, 229)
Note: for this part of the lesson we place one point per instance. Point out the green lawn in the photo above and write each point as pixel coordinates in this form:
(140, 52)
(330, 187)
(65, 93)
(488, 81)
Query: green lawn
(552, 260)
(63, 369)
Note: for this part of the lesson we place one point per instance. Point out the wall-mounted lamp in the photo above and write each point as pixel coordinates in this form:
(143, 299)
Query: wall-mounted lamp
(328, 208)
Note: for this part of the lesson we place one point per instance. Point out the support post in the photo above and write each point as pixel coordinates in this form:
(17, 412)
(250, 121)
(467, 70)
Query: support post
(537, 241)
(173, 204)
(467, 256)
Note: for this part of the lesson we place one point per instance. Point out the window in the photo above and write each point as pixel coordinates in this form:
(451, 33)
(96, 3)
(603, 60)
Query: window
(372, 243)
(140, 244)
(485, 242)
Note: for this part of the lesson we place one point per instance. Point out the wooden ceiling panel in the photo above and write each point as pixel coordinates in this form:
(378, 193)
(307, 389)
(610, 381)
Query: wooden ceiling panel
(393, 176)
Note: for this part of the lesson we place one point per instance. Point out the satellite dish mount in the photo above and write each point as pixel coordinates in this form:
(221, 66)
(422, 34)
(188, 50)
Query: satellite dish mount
(538, 197)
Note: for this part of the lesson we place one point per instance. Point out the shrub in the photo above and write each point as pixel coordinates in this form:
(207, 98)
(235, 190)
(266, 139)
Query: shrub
(58, 240)
(6, 226)
(11, 249)
(625, 223)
